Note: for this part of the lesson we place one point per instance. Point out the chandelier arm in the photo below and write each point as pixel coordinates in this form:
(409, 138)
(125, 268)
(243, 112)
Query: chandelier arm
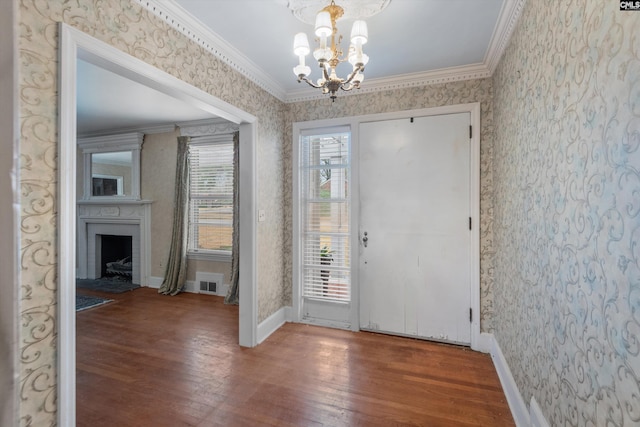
(347, 88)
(309, 82)
(353, 73)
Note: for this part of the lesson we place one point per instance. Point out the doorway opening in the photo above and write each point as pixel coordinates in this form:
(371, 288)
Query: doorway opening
(75, 44)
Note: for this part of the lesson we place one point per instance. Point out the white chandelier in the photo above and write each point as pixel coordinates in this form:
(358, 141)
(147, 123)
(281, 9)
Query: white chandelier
(329, 56)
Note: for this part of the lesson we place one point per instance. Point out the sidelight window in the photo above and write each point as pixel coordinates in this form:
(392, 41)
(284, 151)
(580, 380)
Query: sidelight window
(325, 202)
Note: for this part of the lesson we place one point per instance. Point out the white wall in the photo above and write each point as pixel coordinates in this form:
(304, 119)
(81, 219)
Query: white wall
(8, 214)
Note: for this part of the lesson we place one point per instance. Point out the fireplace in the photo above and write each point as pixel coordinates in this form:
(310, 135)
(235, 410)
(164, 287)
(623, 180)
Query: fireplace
(98, 233)
(109, 233)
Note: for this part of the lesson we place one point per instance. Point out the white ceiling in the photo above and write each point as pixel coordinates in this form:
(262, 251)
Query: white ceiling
(409, 36)
(411, 42)
(108, 102)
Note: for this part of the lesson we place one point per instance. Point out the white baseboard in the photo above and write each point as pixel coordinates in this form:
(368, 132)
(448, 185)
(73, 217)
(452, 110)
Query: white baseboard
(484, 343)
(155, 282)
(189, 286)
(514, 398)
(223, 289)
(273, 323)
(537, 418)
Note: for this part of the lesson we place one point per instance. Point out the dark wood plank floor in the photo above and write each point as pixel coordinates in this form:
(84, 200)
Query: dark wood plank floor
(152, 360)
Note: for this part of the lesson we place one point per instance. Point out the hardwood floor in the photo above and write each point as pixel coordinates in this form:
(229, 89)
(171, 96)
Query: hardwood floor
(152, 360)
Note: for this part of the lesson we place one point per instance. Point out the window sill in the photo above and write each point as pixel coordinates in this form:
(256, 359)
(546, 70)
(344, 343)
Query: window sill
(218, 256)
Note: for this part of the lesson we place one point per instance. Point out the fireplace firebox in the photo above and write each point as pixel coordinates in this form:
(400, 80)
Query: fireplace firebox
(116, 254)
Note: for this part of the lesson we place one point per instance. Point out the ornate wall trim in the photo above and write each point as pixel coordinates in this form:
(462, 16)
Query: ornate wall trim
(446, 75)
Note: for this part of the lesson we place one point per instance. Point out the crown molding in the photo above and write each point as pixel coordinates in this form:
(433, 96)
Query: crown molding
(222, 125)
(178, 18)
(182, 21)
(509, 15)
(208, 127)
(125, 141)
(146, 130)
(444, 75)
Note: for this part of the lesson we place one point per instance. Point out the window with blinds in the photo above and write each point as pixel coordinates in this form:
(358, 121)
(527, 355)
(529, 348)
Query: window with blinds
(211, 195)
(325, 215)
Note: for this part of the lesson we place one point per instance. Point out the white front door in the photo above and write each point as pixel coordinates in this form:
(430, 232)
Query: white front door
(415, 208)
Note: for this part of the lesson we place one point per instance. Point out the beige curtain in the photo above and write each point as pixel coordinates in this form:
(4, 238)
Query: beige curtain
(175, 275)
(233, 294)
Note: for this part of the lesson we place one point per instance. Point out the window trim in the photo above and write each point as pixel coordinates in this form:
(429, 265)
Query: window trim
(311, 289)
(307, 309)
(207, 254)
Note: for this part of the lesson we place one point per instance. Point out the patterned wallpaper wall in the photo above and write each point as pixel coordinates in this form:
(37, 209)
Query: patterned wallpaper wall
(408, 99)
(567, 210)
(131, 29)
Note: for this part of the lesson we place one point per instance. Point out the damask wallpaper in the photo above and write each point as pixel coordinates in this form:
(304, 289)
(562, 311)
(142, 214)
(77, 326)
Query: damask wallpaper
(408, 99)
(132, 29)
(560, 191)
(567, 210)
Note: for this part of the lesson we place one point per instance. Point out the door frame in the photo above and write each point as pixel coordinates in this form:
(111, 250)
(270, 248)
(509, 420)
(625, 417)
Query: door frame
(73, 44)
(474, 204)
(10, 245)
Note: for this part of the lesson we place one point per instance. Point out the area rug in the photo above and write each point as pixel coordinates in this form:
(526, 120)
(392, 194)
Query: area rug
(84, 302)
(106, 284)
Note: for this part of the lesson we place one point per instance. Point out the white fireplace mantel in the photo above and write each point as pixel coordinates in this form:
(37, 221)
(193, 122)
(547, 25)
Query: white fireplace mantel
(96, 216)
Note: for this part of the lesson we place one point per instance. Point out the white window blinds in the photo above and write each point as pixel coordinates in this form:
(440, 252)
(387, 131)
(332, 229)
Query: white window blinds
(326, 210)
(211, 194)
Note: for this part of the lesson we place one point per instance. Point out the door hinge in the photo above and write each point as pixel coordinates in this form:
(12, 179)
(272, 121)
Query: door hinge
(411, 119)
(470, 315)
(469, 223)
(470, 131)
